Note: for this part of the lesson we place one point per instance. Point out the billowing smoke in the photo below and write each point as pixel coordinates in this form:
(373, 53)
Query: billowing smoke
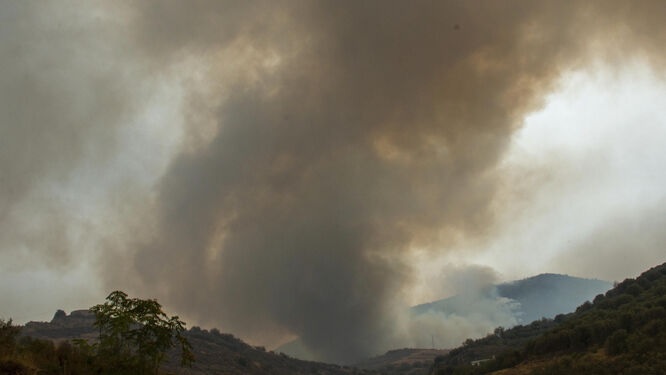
(323, 142)
(475, 310)
(365, 130)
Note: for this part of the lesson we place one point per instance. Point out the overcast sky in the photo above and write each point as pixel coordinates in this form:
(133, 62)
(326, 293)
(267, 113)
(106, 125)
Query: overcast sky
(305, 168)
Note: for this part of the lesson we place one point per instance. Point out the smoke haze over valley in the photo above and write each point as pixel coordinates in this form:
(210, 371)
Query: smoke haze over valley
(311, 169)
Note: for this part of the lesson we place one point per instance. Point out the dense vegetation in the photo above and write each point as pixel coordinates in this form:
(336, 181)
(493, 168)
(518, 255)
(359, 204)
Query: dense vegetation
(134, 338)
(623, 331)
(27, 355)
(503, 345)
(135, 335)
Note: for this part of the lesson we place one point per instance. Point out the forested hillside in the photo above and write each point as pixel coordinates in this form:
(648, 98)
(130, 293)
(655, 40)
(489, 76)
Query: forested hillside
(622, 331)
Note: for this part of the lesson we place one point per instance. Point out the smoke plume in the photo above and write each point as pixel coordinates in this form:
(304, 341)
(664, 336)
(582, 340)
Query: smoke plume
(362, 131)
(476, 310)
(323, 141)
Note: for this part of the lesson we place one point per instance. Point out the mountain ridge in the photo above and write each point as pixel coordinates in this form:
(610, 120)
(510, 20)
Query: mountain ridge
(541, 296)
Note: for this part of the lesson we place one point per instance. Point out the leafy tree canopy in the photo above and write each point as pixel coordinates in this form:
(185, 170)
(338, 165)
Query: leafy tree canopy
(135, 334)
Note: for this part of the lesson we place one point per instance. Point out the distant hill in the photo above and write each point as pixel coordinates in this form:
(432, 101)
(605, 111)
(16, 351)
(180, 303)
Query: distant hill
(621, 331)
(402, 361)
(215, 353)
(541, 296)
(218, 353)
(411, 361)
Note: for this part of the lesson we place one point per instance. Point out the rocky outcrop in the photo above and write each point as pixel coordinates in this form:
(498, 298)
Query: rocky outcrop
(79, 323)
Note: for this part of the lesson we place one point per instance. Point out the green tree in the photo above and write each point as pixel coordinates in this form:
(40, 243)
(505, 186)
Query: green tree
(617, 342)
(8, 334)
(135, 334)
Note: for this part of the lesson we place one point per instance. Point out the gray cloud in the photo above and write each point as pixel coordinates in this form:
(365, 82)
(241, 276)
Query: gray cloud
(618, 247)
(72, 86)
(62, 97)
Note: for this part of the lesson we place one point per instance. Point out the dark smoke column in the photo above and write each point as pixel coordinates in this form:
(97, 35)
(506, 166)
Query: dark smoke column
(377, 130)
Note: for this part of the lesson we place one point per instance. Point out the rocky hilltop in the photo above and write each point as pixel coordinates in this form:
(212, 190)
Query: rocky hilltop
(78, 324)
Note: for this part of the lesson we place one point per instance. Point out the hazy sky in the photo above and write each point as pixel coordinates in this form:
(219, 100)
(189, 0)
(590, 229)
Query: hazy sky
(308, 168)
